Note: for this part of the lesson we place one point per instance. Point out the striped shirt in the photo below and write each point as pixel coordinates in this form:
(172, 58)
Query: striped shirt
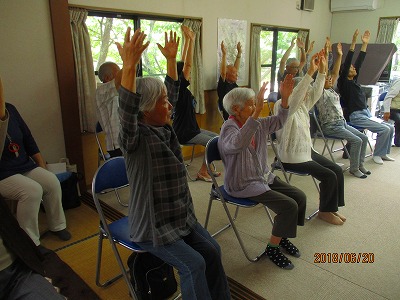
(160, 207)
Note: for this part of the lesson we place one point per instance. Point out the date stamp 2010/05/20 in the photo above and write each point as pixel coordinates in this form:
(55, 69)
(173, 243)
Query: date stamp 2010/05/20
(344, 257)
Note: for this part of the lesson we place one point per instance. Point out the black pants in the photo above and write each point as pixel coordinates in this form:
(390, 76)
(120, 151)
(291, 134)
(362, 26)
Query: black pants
(331, 180)
(289, 204)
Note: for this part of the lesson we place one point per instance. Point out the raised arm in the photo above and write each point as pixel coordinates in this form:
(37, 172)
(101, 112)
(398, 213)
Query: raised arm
(301, 46)
(189, 46)
(170, 51)
(223, 61)
(365, 40)
(238, 56)
(285, 57)
(130, 54)
(338, 62)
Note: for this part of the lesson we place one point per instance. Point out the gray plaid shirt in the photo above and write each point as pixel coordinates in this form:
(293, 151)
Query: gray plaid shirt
(160, 207)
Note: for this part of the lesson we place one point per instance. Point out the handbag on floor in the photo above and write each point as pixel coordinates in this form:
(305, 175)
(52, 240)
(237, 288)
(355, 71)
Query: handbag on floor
(151, 278)
(69, 189)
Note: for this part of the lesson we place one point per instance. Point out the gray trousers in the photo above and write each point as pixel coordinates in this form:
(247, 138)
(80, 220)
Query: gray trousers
(289, 205)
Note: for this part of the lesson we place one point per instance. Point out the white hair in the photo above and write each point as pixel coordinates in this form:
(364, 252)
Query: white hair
(237, 96)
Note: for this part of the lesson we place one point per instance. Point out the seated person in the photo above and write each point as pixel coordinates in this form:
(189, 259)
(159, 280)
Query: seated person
(161, 212)
(291, 65)
(21, 269)
(107, 105)
(391, 108)
(185, 124)
(333, 123)
(295, 145)
(228, 76)
(25, 179)
(243, 147)
(355, 101)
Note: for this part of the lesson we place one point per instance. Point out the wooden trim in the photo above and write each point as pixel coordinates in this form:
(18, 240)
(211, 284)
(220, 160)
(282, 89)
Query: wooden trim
(67, 85)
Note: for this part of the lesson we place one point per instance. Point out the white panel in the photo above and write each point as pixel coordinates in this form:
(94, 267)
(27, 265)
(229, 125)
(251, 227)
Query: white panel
(346, 5)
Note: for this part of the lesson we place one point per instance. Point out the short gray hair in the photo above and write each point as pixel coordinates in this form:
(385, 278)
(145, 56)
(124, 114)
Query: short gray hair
(237, 96)
(151, 89)
(291, 60)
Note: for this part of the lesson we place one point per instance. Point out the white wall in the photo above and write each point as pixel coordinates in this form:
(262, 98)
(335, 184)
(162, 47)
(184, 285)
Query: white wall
(27, 63)
(27, 68)
(345, 23)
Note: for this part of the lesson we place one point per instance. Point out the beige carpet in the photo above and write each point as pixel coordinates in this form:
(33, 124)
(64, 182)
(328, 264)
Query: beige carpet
(372, 208)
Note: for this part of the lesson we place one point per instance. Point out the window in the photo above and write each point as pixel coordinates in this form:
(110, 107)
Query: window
(107, 28)
(395, 65)
(274, 42)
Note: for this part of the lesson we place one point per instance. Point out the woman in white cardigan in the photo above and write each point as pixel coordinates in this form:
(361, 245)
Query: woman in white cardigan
(295, 145)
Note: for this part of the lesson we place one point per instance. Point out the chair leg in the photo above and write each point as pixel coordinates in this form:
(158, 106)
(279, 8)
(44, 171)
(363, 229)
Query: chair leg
(98, 265)
(315, 212)
(188, 164)
(119, 199)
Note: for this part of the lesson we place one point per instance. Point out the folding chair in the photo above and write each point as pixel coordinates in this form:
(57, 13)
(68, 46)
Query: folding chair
(112, 175)
(187, 164)
(218, 193)
(101, 155)
(277, 165)
(363, 130)
(104, 157)
(320, 134)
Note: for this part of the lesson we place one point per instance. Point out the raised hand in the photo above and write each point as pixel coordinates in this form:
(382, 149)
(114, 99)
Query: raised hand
(339, 49)
(292, 43)
(239, 48)
(133, 48)
(314, 63)
(170, 48)
(300, 43)
(223, 49)
(188, 33)
(355, 35)
(285, 88)
(365, 37)
(260, 100)
(310, 49)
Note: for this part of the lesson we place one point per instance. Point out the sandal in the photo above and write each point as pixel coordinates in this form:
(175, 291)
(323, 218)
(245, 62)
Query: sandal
(203, 178)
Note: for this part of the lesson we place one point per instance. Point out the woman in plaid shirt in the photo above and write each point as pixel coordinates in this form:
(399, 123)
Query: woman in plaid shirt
(161, 213)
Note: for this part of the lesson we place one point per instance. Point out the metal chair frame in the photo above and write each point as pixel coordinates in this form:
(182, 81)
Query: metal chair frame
(320, 134)
(187, 164)
(105, 156)
(112, 175)
(218, 193)
(277, 165)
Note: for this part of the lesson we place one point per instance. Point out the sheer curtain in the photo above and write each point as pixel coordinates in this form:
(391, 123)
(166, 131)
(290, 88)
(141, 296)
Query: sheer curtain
(255, 59)
(86, 82)
(197, 81)
(387, 28)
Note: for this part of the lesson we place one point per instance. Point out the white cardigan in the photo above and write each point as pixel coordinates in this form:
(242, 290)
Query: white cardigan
(294, 139)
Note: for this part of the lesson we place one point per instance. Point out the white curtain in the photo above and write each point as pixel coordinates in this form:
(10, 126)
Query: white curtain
(197, 81)
(86, 82)
(387, 28)
(255, 59)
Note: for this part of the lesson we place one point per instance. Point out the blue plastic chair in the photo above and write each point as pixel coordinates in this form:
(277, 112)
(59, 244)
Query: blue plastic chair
(112, 175)
(218, 193)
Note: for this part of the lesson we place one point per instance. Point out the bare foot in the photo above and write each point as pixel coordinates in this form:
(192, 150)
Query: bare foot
(343, 218)
(330, 218)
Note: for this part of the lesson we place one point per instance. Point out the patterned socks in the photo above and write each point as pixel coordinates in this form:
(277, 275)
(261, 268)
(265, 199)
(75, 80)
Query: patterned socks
(274, 253)
(289, 247)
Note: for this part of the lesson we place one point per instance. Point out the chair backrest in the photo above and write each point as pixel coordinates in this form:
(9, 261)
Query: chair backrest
(382, 96)
(212, 151)
(110, 175)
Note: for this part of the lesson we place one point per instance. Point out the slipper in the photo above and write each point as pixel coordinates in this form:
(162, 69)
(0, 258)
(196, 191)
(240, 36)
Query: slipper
(216, 173)
(203, 178)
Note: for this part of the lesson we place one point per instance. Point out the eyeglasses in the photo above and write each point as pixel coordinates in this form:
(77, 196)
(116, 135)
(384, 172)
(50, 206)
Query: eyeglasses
(294, 67)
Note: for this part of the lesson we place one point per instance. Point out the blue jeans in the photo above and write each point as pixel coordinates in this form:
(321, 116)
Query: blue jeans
(358, 141)
(385, 131)
(197, 257)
